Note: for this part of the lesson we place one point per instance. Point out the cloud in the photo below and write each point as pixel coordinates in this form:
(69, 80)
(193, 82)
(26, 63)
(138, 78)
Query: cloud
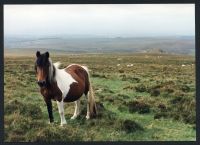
(110, 19)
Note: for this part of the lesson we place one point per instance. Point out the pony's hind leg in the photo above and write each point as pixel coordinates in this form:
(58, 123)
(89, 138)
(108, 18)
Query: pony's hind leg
(88, 108)
(88, 111)
(77, 109)
(61, 112)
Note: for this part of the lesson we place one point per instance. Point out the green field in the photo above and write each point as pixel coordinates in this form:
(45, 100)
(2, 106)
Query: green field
(140, 97)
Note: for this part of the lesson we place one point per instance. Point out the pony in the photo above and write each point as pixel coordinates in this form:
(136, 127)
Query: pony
(64, 85)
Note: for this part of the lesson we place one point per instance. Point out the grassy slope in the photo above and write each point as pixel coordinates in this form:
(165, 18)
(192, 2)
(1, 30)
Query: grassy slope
(163, 89)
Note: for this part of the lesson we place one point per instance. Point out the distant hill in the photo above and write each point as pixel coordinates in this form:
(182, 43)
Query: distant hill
(155, 50)
(172, 45)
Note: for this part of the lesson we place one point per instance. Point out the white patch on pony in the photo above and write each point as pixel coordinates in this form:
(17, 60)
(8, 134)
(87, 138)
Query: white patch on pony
(64, 79)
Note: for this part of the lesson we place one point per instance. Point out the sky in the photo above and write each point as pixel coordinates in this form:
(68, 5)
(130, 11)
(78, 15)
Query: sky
(112, 20)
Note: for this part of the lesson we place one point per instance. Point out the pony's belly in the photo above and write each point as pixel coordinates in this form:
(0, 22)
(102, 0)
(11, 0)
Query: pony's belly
(75, 92)
(71, 98)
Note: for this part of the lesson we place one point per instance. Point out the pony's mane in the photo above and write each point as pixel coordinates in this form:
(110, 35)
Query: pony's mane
(57, 64)
(51, 71)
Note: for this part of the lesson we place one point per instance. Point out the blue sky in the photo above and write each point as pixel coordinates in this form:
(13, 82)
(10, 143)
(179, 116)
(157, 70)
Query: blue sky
(111, 20)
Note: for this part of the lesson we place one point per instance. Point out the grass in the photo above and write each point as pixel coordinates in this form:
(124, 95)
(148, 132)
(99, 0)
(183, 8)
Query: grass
(151, 100)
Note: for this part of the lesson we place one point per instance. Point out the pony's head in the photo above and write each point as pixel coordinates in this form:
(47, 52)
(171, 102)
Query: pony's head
(43, 68)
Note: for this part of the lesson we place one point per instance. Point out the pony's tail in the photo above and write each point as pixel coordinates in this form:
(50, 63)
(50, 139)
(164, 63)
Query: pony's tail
(91, 97)
(92, 103)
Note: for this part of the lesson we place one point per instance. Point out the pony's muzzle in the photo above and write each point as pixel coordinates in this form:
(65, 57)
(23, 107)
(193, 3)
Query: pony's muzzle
(41, 83)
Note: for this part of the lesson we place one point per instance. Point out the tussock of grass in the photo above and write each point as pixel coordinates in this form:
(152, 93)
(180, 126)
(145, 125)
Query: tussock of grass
(155, 92)
(122, 108)
(129, 87)
(141, 88)
(182, 109)
(185, 88)
(130, 126)
(99, 75)
(130, 79)
(162, 107)
(27, 109)
(137, 106)
(52, 133)
(123, 96)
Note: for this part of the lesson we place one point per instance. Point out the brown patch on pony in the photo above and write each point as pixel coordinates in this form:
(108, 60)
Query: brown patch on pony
(82, 86)
(51, 92)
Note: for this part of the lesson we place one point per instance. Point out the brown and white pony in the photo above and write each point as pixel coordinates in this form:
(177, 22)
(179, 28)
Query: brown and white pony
(64, 85)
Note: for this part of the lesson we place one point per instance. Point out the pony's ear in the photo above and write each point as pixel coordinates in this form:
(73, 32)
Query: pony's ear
(37, 53)
(47, 54)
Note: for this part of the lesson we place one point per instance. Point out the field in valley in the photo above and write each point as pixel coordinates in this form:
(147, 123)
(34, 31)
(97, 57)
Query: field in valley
(140, 97)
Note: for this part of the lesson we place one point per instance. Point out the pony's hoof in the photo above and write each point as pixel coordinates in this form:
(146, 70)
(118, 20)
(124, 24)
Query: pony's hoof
(50, 122)
(87, 117)
(73, 117)
(62, 124)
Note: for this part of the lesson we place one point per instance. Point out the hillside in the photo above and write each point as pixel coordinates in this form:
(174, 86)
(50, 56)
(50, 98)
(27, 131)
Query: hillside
(172, 45)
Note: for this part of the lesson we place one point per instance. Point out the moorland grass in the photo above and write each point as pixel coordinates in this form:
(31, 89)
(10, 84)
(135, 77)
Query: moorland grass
(151, 100)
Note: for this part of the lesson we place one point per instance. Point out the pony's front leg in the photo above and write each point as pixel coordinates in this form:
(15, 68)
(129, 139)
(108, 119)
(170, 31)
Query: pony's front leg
(61, 112)
(49, 108)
